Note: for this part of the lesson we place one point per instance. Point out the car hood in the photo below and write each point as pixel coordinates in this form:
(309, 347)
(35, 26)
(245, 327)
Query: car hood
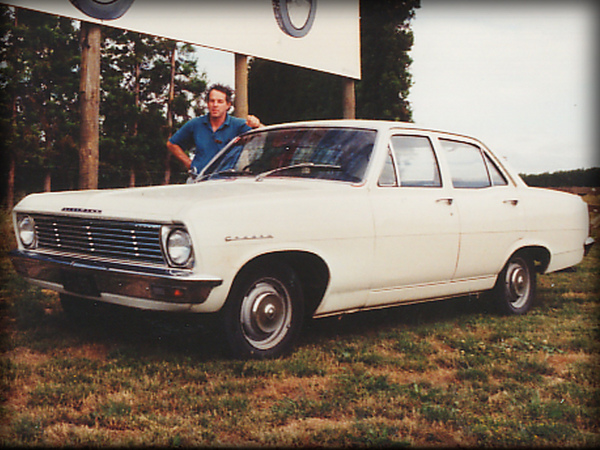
(165, 203)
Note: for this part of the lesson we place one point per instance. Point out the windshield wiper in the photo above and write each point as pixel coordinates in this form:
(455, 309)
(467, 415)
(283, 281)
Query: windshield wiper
(305, 165)
(226, 172)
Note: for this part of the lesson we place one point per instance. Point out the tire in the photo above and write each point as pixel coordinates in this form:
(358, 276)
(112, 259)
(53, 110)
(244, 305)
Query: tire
(515, 289)
(264, 312)
(78, 309)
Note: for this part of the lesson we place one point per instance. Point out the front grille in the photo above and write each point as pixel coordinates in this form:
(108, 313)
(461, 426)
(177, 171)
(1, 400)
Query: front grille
(131, 241)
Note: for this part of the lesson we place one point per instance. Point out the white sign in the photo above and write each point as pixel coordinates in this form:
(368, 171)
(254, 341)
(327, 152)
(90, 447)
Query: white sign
(317, 34)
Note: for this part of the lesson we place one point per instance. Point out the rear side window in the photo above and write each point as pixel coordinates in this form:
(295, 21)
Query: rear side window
(467, 165)
(415, 161)
(498, 179)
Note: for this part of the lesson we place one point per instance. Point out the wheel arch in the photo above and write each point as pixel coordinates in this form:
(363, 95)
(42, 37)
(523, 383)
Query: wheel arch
(310, 268)
(537, 254)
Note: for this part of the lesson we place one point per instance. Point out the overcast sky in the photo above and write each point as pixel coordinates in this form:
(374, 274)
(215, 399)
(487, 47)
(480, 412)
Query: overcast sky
(519, 75)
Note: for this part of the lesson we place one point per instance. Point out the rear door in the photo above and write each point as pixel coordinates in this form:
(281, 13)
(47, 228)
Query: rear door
(489, 207)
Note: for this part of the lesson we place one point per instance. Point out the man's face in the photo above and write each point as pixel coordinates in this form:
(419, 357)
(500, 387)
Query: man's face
(217, 104)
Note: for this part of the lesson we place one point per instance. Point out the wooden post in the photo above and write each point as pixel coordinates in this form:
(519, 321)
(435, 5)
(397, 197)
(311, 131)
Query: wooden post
(349, 99)
(240, 102)
(170, 113)
(89, 98)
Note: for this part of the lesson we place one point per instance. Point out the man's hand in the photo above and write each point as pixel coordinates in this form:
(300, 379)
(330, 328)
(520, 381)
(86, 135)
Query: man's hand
(253, 122)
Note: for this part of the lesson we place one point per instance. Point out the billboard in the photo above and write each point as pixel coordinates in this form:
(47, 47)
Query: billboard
(322, 35)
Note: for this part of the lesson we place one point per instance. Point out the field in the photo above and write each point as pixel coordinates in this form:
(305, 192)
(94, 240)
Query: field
(441, 374)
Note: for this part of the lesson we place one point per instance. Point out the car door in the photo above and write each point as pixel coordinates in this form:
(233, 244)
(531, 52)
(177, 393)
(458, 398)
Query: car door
(489, 207)
(416, 224)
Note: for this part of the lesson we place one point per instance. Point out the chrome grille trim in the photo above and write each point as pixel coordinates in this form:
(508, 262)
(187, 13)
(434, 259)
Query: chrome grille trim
(100, 238)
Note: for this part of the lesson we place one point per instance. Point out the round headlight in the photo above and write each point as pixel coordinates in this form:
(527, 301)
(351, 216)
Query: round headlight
(179, 247)
(26, 228)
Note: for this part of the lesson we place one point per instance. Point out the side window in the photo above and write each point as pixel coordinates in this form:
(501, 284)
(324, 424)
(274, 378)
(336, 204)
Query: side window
(388, 175)
(416, 163)
(467, 166)
(497, 178)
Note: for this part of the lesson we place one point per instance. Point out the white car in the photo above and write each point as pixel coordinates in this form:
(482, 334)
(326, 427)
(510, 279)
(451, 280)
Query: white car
(306, 220)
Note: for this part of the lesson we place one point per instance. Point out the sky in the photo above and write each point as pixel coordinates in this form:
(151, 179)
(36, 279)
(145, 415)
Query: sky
(518, 75)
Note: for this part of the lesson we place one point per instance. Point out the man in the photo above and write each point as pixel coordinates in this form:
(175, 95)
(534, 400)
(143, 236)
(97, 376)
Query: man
(211, 132)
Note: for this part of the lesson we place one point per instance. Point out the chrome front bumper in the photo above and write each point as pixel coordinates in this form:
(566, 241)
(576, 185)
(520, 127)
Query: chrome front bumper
(143, 287)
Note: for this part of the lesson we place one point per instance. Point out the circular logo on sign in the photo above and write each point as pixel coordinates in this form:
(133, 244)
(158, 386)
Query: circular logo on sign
(103, 9)
(295, 17)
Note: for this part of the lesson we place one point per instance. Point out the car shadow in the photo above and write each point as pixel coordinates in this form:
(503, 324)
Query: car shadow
(410, 315)
(148, 333)
(197, 336)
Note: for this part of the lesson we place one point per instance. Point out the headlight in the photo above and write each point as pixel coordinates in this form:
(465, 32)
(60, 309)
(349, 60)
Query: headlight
(26, 230)
(178, 246)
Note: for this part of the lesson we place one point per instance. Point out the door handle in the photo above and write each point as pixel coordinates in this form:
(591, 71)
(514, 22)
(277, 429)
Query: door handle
(448, 201)
(512, 201)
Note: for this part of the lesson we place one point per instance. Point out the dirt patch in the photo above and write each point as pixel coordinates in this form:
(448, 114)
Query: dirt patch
(24, 356)
(561, 362)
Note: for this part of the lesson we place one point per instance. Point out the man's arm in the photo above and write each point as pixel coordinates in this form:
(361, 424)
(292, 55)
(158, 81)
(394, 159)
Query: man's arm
(178, 152)
(253, 122)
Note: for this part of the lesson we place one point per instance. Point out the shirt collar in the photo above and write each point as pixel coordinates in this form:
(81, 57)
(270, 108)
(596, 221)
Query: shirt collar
(206, 121)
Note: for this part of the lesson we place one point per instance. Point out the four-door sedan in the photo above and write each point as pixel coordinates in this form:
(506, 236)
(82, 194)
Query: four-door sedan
(306, 220)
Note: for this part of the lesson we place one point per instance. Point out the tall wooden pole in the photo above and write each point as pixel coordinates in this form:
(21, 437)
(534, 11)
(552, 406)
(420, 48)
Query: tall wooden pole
(170, 113)
(89, 98)
(349, 99)
(240, 102)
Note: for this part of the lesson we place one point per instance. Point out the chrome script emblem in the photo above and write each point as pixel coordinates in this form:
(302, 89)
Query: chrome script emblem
(82, 210)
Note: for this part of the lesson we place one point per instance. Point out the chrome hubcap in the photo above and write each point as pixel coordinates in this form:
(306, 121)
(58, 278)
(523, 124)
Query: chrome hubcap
(517, 278)
(266, 314)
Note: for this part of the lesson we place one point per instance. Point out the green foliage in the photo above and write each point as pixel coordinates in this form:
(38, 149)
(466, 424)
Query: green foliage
(386, 39)
(565, 178)
(281, 93)
(39, 118)
(40, 87)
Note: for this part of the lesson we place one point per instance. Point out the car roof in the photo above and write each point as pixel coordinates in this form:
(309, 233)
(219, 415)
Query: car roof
(379, 125)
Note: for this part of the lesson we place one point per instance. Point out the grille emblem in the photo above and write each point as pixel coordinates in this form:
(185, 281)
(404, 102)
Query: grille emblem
(82, 210)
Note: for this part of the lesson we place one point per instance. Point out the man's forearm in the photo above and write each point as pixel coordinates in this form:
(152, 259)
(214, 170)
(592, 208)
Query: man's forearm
(178, 152)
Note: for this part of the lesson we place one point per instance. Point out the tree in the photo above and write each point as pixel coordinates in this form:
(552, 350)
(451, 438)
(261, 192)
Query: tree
(386, 39)
(145, 81)
(565, 178)
(281, 93)
(39, 83)
(149, 85)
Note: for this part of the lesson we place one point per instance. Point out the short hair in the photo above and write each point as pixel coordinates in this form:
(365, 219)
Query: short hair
(221, 88)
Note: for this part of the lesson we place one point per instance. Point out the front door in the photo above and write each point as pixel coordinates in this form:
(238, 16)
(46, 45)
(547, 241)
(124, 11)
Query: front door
(416, 225)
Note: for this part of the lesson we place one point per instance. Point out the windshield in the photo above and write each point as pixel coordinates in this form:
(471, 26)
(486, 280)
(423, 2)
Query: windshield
(340, 154)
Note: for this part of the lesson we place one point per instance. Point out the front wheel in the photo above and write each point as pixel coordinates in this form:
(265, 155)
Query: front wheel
(515, 289)
(264, 312)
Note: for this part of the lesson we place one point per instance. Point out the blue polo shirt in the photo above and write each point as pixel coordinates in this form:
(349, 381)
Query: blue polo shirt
(199, 133)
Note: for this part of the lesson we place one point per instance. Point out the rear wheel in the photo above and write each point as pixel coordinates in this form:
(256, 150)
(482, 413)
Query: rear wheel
(515, 289)
(264, 312)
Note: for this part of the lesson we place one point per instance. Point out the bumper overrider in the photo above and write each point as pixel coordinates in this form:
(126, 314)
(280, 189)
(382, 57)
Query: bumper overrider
(144, 287)
(587, 246)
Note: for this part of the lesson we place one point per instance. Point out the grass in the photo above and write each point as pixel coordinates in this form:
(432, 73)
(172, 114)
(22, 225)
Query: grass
(438, 374)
